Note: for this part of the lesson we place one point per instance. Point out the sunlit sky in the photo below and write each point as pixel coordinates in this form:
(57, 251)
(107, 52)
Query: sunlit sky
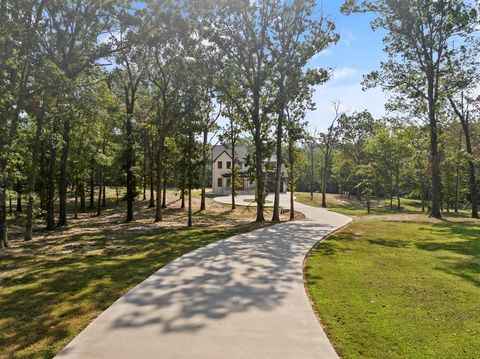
(358, 52)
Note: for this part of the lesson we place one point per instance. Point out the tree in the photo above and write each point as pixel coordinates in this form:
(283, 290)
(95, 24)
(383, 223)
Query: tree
(298, 34)
(420, 40)
(327, 141)
(129, 77)
(241, 31)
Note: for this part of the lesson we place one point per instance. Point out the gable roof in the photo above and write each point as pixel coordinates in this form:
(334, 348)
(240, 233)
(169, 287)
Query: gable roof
(241, 152)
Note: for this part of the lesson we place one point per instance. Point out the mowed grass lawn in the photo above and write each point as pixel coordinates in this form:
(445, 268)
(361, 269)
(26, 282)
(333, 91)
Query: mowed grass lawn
(55, 285)
(399, 289)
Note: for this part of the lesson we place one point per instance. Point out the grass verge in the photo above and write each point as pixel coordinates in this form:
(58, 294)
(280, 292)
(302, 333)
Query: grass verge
(397, 289)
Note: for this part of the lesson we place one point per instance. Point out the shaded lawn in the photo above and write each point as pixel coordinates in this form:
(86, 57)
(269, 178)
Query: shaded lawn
(399, 290)
(53, 288)
(353, 207)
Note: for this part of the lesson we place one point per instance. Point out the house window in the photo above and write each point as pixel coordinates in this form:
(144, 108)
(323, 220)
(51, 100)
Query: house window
(220, 164)
(229, 164)
(229, 182)
(219, 182)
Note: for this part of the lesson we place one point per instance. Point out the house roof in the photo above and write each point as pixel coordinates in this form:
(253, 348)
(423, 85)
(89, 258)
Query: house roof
(241, 152)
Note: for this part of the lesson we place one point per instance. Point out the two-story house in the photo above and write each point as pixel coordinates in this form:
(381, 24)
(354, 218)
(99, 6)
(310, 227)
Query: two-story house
(222, 171)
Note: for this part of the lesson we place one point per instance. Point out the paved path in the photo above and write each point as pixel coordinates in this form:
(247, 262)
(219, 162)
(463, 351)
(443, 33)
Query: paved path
(242, 297)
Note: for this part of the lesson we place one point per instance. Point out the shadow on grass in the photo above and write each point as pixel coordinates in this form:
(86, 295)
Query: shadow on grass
(49, 297)
(464, 258)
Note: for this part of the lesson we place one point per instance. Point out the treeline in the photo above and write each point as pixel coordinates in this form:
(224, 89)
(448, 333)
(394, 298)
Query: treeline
(365, 158)
(127, 93)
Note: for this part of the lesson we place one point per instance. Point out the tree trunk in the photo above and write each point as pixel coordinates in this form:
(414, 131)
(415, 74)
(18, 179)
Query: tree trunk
(43, 177)
(144, 168)
(75, 204)
(233, 169)
(278, 169)
(32, 176)
(51, 188)
(82, 196)
(260, 184)
(19, 203)
(10, 205)
(100, 186)
(104, 196)
(161, 152)
(62, 221)
(3, 206)
(92, 189)
(464, 120)
(130, 166)
(397, 187)
(325, 178)
(291, 180)
(182, 195)
(457, 177)
(151, 173)
(164, 197)
(203, 174)
(434, 156)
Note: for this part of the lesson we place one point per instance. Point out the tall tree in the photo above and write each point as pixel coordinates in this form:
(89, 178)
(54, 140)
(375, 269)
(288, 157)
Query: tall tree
(420, 39)
(242, 33)
(299, 32)
(327, 141)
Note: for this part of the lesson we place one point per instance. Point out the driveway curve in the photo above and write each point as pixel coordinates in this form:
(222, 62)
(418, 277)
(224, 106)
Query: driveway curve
(242, 297)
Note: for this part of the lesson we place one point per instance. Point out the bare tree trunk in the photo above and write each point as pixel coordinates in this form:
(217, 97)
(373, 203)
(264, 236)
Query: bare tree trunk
(10, 205)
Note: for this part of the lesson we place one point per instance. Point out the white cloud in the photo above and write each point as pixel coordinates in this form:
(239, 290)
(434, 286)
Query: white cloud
(347, 37)
(343, 73)
(326, 52)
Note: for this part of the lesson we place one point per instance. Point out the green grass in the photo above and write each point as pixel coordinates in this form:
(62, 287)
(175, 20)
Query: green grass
(387, 289)
(352, 207)
(52, 288)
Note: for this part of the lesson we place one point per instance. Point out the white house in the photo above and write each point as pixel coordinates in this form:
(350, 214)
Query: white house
(222, 171)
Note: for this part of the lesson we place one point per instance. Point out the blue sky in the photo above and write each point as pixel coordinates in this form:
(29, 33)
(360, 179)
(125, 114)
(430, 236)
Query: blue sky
(358, 52)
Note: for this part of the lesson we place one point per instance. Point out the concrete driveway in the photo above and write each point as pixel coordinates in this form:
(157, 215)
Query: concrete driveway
(242, 297)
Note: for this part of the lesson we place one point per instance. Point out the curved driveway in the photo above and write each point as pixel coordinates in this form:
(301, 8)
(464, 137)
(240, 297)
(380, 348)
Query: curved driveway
(242, 297)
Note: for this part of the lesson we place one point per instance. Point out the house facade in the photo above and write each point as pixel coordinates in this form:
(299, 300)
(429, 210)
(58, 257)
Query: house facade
(222, 171)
